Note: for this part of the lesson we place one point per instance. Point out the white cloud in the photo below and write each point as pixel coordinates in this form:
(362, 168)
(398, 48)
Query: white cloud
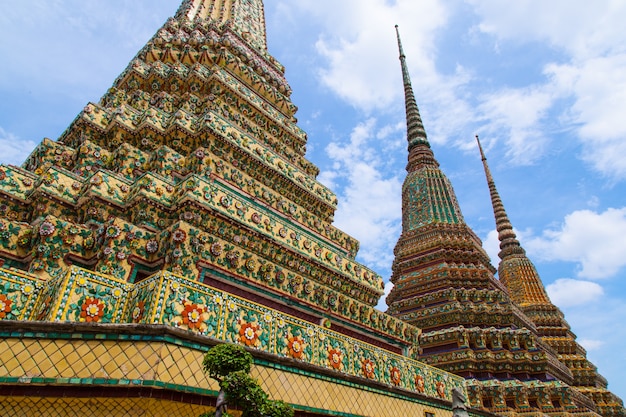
(98, 41)
(581, 27)
(591, 344)
(369, 200)
(599, 89)
(516, 114)
(593, 240)
(567, 292)
(587, 70)
(491, 244)
(359, 46)
(601, 330)
(13, 150)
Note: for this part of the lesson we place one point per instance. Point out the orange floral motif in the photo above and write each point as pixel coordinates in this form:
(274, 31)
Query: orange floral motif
(249, 334)
(138, 311)
(92, 310)
(192, 315)
(395, 376)
(335, 356)
(441, 389)
(296, 347)
(367, 366)
(419, 383)
(5, 306)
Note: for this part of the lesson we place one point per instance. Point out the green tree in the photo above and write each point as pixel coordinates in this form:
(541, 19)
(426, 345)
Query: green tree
(230, 366)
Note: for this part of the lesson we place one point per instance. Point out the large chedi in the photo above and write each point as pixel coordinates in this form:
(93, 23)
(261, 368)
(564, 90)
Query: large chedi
(513, 346)
(179, 212)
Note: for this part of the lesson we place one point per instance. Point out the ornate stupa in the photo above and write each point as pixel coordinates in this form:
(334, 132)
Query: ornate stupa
(473, 324)
(519, 275)
(179, 212)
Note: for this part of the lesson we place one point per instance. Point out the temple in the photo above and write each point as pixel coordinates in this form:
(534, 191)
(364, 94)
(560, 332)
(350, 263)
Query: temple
(179, 212)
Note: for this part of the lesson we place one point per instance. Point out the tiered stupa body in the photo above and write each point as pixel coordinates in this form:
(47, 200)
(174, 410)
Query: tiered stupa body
(179, 212)
(519, 275)
(445, 285)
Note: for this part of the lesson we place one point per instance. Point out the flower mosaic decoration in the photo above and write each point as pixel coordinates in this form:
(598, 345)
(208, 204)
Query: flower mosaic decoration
(5, 306)
(441, 389)
(368, 368)
(249, 334)
(112, 231)
(138, 311)
(152, 246)
(46, 228)
(295, 347)
(92, 310)
(179, 236)
(193, 316)
(395, 375)
(420, 385)
(335, 358)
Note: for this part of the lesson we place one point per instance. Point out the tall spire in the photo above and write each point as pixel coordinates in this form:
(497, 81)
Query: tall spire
(516, 271)
(509, 245)
(416, 134)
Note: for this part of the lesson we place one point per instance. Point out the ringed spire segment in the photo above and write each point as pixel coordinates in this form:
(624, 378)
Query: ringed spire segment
(416, 134)
(509, 245)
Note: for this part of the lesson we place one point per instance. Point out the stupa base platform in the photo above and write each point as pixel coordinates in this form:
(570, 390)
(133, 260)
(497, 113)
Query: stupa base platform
(97, 369)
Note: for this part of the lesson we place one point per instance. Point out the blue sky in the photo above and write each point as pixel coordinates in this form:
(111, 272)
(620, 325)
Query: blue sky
(542, 83)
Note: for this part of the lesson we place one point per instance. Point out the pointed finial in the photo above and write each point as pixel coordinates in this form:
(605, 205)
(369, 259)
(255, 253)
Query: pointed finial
(484, 159)
(416, 134)
(482, 154)
(399, 42)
